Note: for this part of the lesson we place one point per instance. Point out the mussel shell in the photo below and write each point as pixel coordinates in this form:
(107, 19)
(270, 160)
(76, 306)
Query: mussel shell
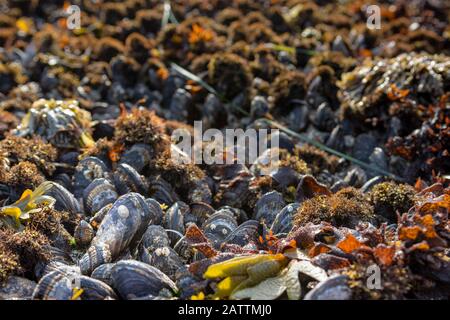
(97, 219)
(200, 192)
(127, 179)
(285, 177)
(268, 206)
(17, 288)
(155, 208)
(98, 194)
(57, 266)
(122, 227)
(283, 220)
(133, 279)
(64, 180)
(155, 237)
(86, 171)
(184, 250)
(244, 233)
(84, 233)
(94, 289)
(333, 288)
(174, 220)
(162, 191)
(198, 213)
(65, 200)
(219, 226)
(308, 187)
(138, 156)
(167, 260)
(54, 286)
(103, 273)
(95, 256)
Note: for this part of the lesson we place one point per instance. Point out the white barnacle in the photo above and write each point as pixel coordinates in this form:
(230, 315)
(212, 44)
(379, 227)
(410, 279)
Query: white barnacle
(164, 251)
(123, 211)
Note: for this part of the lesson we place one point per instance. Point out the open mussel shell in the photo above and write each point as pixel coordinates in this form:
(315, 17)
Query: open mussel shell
(65, 200)
(162, 191)
(268, 206)
(54, 286)
(138, 156)
(87, 170)
(174, 220)
(244, 233)
(94, 289)
(134, 279)
(283, 220)
(308, 187)
(84, 233)
(333, 288)
(121, 228)
(103, 273)
(127, 179)
(98, 194)
(219, 226)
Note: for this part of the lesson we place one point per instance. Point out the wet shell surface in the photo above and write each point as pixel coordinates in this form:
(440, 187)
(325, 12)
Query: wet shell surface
(268, 206)
(134, 279)
(54, 286)
(94, 289)
(98, 194)
(86, 171)
(219, 226)
(84, 233)
(103, 273)
(65, 201)
(95, 256)
(138, 156)
(174, 220)
(127, 179)
(121, 228)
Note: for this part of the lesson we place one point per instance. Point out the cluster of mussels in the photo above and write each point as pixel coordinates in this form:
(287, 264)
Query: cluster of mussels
(94, 206)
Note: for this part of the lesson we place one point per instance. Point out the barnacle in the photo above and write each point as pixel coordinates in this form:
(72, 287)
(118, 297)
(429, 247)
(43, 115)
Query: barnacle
(347, 207)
